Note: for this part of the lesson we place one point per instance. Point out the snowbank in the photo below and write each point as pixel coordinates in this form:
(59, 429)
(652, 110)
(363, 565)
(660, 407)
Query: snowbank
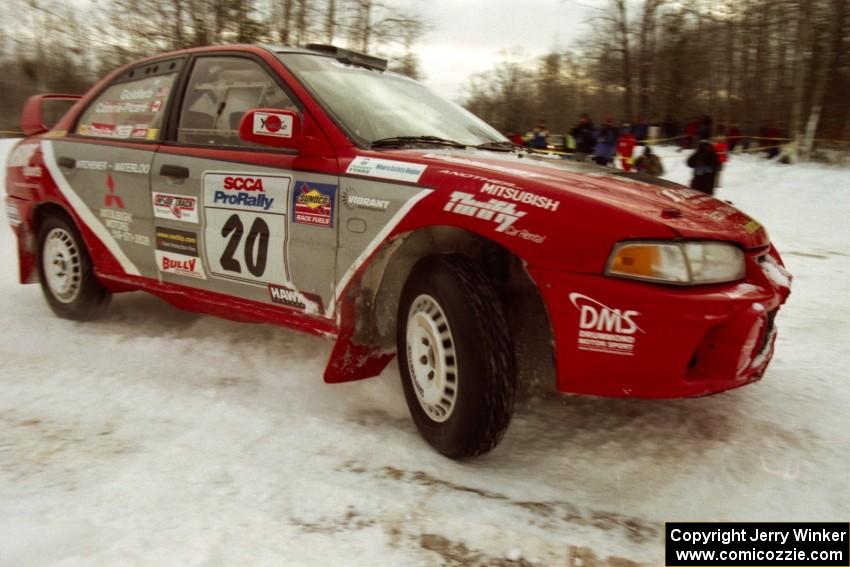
(159, 437)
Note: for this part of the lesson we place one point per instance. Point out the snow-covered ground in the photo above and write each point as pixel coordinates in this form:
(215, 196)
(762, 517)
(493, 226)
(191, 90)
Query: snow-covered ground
(159, 437)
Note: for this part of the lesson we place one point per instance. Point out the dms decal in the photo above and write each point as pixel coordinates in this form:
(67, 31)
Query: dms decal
(173, 263)
(386, 169)
(175, 207)
(273, 124)
(245, 191)
(604, 329)
(313, 203)
(502, 213)
(180, 241)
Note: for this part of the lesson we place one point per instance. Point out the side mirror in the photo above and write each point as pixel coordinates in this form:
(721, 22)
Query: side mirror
(42, 112)
(272, 127)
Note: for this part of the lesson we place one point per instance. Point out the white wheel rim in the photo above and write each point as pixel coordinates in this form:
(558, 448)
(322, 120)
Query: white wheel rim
(62, 265)
(431, 358)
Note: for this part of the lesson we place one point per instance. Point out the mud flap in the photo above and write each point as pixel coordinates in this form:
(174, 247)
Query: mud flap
(350, 361)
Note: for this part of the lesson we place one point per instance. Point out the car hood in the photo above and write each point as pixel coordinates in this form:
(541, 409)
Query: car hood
(686, 212)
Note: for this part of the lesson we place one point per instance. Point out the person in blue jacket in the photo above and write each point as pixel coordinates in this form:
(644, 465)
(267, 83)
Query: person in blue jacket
(606, 143)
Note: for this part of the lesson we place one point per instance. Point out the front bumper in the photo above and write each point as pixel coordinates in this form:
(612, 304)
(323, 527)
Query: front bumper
(621, 338)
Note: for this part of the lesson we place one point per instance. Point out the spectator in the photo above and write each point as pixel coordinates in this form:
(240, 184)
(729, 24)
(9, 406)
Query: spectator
(734, 137)
(772, 142)
(670, 127)
(722, 149)
(649, 163)
(641, 131)
(705, 129)
(625, 147)
(538, 141)
(514, 137)
(582, 133)
(606, 142)
(690, 134)
(706, 166)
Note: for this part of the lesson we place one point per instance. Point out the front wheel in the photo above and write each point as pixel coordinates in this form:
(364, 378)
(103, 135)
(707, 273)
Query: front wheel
(455, 356)
(65, 269)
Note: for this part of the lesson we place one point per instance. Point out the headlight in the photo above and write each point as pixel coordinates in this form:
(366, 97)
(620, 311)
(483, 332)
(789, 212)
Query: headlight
(685, 263)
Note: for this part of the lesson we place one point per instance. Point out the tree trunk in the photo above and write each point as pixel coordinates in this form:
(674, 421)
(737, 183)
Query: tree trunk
(330, 21)
(623, 28)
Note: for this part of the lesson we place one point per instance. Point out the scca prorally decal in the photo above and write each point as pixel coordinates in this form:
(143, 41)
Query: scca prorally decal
(313, 203)
(500, 212)
(249, 192)
(520, 196)
(175, 207)
(604, 329)
(483, 165)
(386, 169)
(179, 264)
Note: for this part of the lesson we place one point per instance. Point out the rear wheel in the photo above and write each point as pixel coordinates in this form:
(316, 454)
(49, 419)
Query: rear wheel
(66, 274)
(455, 357)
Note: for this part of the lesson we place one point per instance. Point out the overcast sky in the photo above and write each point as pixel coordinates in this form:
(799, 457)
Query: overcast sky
(469, 35)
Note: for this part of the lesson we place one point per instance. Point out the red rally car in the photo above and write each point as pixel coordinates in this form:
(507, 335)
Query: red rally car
(314, 189)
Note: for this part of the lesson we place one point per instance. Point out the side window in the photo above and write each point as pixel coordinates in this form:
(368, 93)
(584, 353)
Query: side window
(219, 92)
(128, 110)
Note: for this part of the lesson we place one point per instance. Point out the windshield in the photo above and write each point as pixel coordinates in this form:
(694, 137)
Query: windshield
(373, 105)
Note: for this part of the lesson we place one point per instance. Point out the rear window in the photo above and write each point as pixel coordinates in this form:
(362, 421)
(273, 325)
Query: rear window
(128, 110)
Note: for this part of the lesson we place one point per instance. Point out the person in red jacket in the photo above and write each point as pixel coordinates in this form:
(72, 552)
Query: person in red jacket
(722, 149)
(625, 147)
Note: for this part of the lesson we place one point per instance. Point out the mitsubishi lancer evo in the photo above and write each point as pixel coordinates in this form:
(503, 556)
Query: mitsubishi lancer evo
(313, 188)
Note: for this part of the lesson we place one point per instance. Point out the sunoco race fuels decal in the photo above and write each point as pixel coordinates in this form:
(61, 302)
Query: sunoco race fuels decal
(603, 329)
(313, 203)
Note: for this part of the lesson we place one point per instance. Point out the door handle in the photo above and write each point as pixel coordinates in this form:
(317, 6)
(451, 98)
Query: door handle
(67, 163)
(176, 171)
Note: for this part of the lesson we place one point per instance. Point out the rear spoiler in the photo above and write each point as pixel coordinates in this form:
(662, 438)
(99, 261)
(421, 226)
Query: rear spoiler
(42, 112)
